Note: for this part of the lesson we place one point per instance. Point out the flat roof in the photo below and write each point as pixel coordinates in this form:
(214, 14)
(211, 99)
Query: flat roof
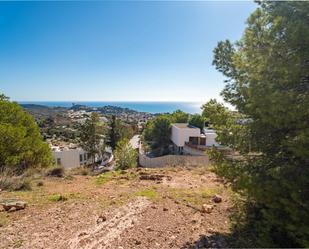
(184, 125)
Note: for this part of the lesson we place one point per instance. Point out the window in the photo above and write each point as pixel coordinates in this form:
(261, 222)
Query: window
(58, 161)
(85, 157)
(193, 140)
(203, 141)
(80, 157)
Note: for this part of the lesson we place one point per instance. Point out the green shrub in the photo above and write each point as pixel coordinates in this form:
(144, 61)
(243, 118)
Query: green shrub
(57, 197)
(126, 156)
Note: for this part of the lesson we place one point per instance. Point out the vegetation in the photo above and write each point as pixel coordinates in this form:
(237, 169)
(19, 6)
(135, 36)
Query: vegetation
(267, 81)
(92, 133)
(149, 193)
(197, 121)
(157, 133)
(14, 183)
(57, 197)
(126, 156)
(57, 171)
(179, 116)
(117, 131)
(21, 145)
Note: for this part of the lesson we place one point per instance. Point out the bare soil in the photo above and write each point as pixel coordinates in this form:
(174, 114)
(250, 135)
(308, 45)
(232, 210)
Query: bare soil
(121, 210)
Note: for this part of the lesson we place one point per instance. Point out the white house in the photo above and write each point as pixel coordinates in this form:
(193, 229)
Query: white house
(185, 135)
(70, 157)
(210, 137)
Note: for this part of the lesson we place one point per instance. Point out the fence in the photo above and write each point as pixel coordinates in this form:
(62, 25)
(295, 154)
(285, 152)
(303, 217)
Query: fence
(172, 160)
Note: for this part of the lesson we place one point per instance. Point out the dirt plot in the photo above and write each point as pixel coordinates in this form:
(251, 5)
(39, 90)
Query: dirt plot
(154, 208)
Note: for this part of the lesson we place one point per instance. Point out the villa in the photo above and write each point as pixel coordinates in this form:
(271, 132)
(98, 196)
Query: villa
(70, 157)
(188, 139)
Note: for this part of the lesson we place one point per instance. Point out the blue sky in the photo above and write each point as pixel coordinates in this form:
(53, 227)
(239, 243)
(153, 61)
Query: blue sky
(121, 51)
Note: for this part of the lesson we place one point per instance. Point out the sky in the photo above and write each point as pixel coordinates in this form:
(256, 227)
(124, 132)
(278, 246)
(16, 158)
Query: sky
(115, 51)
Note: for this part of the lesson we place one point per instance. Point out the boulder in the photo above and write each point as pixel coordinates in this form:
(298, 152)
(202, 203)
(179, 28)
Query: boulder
(13, 205)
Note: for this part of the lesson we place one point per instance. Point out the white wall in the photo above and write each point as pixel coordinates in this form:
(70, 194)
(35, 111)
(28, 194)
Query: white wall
(181, 135)
(211, 139)
(70, 158)
(173, 160)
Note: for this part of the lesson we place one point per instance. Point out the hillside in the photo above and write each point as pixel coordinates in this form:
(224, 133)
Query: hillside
(133, 209)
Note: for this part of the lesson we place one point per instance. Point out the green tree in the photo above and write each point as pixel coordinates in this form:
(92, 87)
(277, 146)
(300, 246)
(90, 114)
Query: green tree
(197, 121)
(161, 134)
(117, 131)
(126, 156)
(157, 134)
(21, 144)
(267, 81)
(179, 116)
(92, 136)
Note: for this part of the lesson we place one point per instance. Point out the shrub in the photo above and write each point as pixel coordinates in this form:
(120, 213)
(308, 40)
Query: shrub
(57, 197)
(126, 156)
(55, 171)
(12, 183)
(80, 171)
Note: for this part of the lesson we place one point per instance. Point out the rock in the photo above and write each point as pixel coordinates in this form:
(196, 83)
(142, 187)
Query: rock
(137, 242)
(165, 209)
(13, 205)
(149, 228)
(101, 219)
(207, 208)
(217, 199)
(82, 234)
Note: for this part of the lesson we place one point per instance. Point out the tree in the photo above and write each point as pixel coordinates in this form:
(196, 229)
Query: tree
(197, 121)
(179, 116)
(267, 81)
(117, 131)
(92, 136)
(161, 134)
(21, 144)
(157, 134)
(126, 156)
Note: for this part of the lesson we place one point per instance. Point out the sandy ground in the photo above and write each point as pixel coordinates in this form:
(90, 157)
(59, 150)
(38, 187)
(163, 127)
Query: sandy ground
(122, 212)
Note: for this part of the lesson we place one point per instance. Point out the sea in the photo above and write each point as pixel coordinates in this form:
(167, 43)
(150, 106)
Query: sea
(151, 107)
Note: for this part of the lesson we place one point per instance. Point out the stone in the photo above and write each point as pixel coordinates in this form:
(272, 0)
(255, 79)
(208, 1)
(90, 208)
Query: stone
(137, 242)
(13, 205)
(82, 234)
(101, 219)
(165, 209)
(217, 199)
(207, 208)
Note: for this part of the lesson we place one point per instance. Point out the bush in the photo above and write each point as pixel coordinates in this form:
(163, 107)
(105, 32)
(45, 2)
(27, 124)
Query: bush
(80, 171)
(11, 183)
(57, 197)
(55, 171)
(126, 156)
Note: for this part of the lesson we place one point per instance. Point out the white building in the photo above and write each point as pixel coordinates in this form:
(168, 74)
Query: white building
(70, 157)
(185, 135)
(211, 137)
